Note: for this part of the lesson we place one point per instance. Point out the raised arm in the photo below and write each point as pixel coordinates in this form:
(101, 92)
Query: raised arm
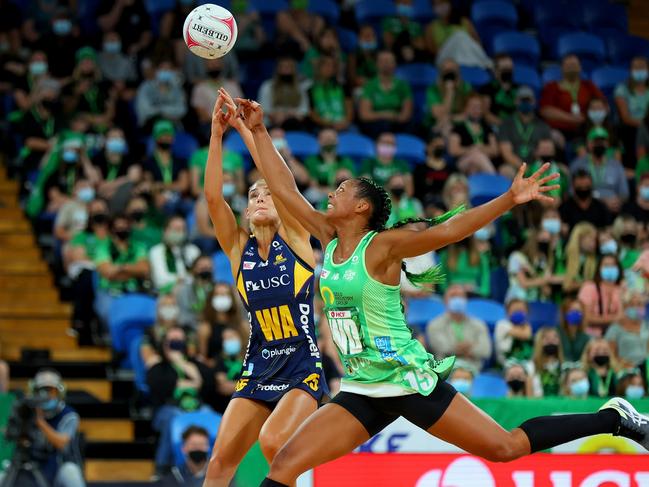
(402, 242)
(279, 177)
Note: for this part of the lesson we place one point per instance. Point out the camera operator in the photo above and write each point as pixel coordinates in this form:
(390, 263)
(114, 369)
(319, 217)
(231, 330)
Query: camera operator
(196, 447)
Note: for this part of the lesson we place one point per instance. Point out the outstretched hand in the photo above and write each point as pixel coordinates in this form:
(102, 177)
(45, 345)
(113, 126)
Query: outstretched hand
(533, 188)
(220, 119)
(235, 120)
(251, 113)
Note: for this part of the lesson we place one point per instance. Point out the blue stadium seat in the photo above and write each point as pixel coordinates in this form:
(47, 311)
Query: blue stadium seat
(184, 145)
(499, 283)
(487, 384)
(130, 315)
(485, 187)
(487, 310)
(372, 11)
(589, 48)
(553, 73)
(222, 268)
(475, 76)
(302, 144)
(348, 39)
(233, 142)
(601, 14)
(494, 14)
(423, 11)
(410, 148)
(208, 420)
(419, 75)
(155, 7)
(527, 76)
(523, 48)
(139, 369)
(327, 9)
(608, 77)
(355, 146)
(421, 310)
(542, 314)
(621, 49)
(557, 12)
(268, 8)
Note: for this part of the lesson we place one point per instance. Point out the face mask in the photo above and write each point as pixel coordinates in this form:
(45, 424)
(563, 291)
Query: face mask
(438, 152)
(551, 225)
(174, 238)
(457, 304)
(597, 116)
(232, 347)
(518, 317)
(215, 73)
(475, 118)
(482, 234)
(222, 303)
(70, 156)
(122, 235)
(644, 193)
(506, 76)
(608, 248)
(639, 75)
(99, 218)
(398, 191)
(601, 360)
(286, 78)
(516, 385)
(574, 317)
(599, 150)
(583, 193)
(62, 27)
(50, 105)
(137, 216)
(462, 386)
(404, 10)
(449, 76)
(526, 107)
(205, 275)
(165, 76)
(163, 145)
(50, 405)
(112, 47)
(551, 349)
(634, 392)
(116, 146)
(197, 456)
(628, 238)
(544, 247)
(367, 45)
(442, 9)
(228, 189)
(635, 314)
(329, 148)
(280, 144)
(169, 312)
(545, 159)
(386, 150)
(176, 345)
(37, 68)
(86, 195)
(610, 273)
(571, 75)
(580, 388)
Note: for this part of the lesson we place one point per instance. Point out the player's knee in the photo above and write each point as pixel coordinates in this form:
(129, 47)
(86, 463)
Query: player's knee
(281, 461)
(503, 451)
(270, 443)
(220, 467)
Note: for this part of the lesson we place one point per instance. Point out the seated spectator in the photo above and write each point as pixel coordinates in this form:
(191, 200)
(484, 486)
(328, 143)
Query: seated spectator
(551, 247)
(501, 93)
(572, 330)
(448, 21)
(564, 103)
(464, 265)
(629, 336)
(386, 102)
(429, 178)
(456, 333)
(513, 335)
(404, 205)
(114, 64)
(302, 178)
(297, 28)
(146, 222)
(545, 151)
(177, 386)
(529, 274)
(462, 377)
(232, 163)
(73, 215)
(220, 312)
(581, 206)
(602, 297)
(251, 36)
(331, 103)
(581, 257)
(609, 181)
(193, 294)
(29, 85)
(284, 98)
(326, 45)
(547, 359)
(599, 116)
(361, 64)
(472, 141)
(115, 166)
(601, 367)
(131, 19)
(171, 259)
(382, 167)
(630, 384)
(446, 99)
(403, 36)
(323, 166)
(61, 42)
(122, 266)
(517, 379)
(227, 364)
(196, 447)
(455, 191)
(639, 207)
(626, 231)
(161, 97)
(521, 132)
(632, 100)
(574, 382)
(167, 317)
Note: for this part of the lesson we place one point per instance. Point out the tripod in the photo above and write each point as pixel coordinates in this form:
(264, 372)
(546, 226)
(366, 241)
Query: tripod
(21, 468)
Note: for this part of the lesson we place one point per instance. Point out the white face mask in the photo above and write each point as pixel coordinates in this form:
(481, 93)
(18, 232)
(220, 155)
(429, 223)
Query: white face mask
(222, 303)
(169, 312)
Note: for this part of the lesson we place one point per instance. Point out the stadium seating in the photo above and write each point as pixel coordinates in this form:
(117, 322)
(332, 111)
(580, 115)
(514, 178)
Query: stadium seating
(608, 77)
(488, 384)
(410, 148)
(129, 315)
(622, 48)
(487, 310)
(542, 314)
(475, 76)
(139, 369)
(419, 75)
(234, 143)
(485, 187)
(527, 76)
(348, 40)
(523, 48)
(421, 310)
(588, 47)
(605, 15)
(499, 283)
(423, 11)
(494, 14)
(302, 144)
(355, 146)
(327, 9)
(184, 145)
(208, 420)
(222, 268)
(373, 11)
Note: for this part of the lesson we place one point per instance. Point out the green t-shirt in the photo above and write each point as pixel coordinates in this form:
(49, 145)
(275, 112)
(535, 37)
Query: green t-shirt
(310, 62)
(325, 173)
(89, 242)
(395, 26)
(434, 97)
(147, 236)
(232, 162)
(407, 207)
(328, 101)
(564, 181)
(641, 168)
(381, 173)
(107, 252)
(389, 100)
(628, 257)
(466, 273)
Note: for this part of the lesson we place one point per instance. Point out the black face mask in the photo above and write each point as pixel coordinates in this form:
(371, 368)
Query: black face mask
(628, 238)
(398, 191)
(599, 150)
(547, 158)
(516, 385)
(137, 216)
(50, 105)
(450, 76)
(197, 456)
(583, 193)
(601, 360)
(506, 76)
(122, 235)
(544, 247)
(99, 218)
(286, 78)
(438, 152)
(215, 73)
(164, 145)
(551, 349)
(177, 345)
(205, 275)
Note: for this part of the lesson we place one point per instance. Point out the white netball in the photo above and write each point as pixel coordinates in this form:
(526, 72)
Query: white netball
(210, 31)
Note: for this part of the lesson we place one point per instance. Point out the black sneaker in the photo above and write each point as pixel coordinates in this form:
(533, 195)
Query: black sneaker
(633, 425)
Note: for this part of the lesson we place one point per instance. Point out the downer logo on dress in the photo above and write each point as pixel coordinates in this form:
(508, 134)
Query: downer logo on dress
(268, 283)
(266, 354)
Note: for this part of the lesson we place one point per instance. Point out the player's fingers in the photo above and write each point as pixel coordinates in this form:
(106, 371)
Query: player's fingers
(549, 178)
(521, 171)
(545, 189)
(540, 171)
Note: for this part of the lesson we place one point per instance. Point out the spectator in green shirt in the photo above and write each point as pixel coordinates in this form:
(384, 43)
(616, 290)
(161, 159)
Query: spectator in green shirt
(384, 165)
(625, 230)
(328, 45)
(571, 330)
(403, 36)
(232, 163)
(361, 65)
(501, 92)
(445, 100)
(448, 21)
(146, 222)
(323, 166)
(122, 266)
(386, 101)
(464, 265)
(546, 152)
(404, 205)
(331, 103)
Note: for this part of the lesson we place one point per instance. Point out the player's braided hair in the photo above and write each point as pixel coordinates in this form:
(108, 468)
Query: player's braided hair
(382, 207)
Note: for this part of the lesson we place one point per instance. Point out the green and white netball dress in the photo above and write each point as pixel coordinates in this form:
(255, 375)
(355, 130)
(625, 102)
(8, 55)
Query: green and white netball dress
(380, 356)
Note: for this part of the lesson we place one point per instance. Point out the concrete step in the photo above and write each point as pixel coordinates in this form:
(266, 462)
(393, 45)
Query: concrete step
(31, 296)
(47, 341)
(34, 326)
(12, 212)
(14, 225)
(22, 253)
(41, 281)
(101, 389)
(108, 429)
(24, 310)
(24, 267)
(119, 470)
(11, 353)
(17, 240)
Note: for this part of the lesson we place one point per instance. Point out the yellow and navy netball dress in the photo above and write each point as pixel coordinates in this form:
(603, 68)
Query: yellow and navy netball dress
(282, 350)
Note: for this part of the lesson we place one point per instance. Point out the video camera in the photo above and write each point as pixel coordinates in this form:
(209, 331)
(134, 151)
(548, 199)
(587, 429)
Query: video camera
(21, 426)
